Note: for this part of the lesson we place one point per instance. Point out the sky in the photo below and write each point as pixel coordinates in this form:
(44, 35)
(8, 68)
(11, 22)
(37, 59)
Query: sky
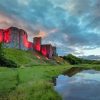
(73, 26)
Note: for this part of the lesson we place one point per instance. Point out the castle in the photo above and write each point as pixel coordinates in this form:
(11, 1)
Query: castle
(18, 38)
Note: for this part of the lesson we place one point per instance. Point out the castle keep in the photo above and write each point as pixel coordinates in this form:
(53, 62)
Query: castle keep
(18, 38)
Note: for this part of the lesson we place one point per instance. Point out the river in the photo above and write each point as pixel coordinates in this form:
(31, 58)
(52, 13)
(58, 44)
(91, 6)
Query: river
(84, 85)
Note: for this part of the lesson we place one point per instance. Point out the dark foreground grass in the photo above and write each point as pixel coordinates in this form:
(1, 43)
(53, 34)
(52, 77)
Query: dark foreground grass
(32, 83)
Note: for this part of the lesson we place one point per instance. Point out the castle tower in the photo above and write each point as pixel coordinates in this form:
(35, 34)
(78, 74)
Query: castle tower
(47, 50)
(15, 38)
(37, 43)
(44, 50)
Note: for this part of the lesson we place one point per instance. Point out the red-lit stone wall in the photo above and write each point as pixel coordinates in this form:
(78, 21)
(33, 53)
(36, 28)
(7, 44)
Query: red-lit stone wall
(18, 38)
(54, 51)
(25, 41)
(47, 50)
(15, 38)
(37, 43)
(1, 35)
(6, 35)
(44, 50)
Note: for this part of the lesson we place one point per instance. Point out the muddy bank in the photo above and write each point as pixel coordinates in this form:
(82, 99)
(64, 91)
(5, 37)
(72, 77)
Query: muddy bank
(72, 71)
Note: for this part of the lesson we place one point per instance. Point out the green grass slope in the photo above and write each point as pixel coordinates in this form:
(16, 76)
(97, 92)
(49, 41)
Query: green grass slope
(29, 58)
(33, 79)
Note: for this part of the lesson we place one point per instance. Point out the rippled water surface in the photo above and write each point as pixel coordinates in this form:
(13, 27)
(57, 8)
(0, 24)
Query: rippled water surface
(84, 85)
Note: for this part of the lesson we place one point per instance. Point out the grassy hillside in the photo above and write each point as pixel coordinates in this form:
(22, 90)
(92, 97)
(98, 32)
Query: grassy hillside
(33, 79)
(29, 58)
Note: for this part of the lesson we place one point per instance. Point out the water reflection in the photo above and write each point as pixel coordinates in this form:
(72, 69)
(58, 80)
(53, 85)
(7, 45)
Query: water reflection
(82, 86)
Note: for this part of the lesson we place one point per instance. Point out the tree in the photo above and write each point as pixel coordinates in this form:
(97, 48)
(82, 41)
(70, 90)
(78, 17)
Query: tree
(1, 51)
(4, 61)
(73, 59)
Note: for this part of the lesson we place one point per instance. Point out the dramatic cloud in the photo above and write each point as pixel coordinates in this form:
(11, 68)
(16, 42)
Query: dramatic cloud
(72, 25)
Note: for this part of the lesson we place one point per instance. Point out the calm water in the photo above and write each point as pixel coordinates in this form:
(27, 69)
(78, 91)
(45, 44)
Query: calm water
(82, 86)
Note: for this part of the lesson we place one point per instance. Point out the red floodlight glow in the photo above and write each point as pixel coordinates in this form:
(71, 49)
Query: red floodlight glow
(7, 36)
(1, 36)
(26, 44)
(44, 51)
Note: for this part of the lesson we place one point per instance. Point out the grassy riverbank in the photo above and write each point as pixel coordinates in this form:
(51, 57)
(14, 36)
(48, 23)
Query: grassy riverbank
(31, 83)
(78, 68)
(89, 66)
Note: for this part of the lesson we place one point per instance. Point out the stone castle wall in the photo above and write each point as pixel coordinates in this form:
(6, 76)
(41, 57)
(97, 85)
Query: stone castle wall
(17, 38)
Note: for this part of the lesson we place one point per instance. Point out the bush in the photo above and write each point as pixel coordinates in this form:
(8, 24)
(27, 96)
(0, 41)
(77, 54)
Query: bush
(8, 63)
(1, 51)
(4, 61)
(73, 59)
